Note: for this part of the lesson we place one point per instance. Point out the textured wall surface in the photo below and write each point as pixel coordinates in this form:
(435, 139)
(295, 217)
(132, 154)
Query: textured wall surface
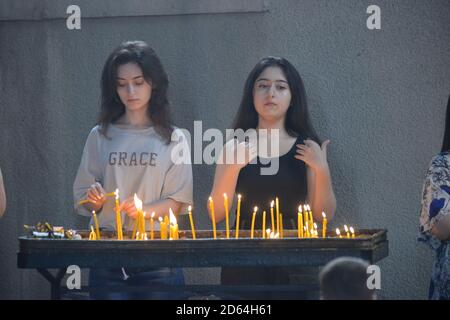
(379, 96)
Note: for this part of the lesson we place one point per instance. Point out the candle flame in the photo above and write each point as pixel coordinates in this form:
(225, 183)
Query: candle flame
(160, 220)
(345, 228)
(324, 215)
(352, 230)
(255, 209)
(152, 215)
(137, 202)
(189, 208)
(272, 204)
(239, 196)
(173, 219)
(93, 211)
(117, 194)
(225, 196)
(300, 208)
(305, 206)
(210, 199)
(315, 225)
(338, 232)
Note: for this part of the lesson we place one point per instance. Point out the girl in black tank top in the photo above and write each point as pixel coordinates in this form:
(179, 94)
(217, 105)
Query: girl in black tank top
(288, 184)
(274, 98)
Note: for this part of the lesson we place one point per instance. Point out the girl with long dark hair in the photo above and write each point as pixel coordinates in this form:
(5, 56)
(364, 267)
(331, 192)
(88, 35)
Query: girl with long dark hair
(130, 149)
(274, 99)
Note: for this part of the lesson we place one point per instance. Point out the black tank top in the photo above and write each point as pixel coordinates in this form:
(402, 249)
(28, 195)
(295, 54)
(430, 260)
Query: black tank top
(288, 184)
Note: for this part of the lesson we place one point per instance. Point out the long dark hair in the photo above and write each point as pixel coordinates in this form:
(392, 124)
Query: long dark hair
(297, 121)
(446, 142)
(112, 107)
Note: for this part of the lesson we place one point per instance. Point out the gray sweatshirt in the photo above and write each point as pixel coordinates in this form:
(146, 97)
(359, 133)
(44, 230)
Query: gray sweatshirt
(134, 161)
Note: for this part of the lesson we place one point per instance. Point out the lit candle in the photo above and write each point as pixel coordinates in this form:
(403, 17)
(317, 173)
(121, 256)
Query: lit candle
(227, 225)
(238, 215)
(92, 235)
(192, 222)
(347, 231)
(277, 206)
(140, 218)
(338, 233)
(307, 222)
(324, 225)
(271, 215)
(173, 225)
(253, 222)
(152, 226)
(311, 218)
(268, 234)
(264, 225)
(213, 216)
(353, 232)
(97, 230)
(162, 229)
(166, 223)
(118, 217)
(300, 222)
(316, 233)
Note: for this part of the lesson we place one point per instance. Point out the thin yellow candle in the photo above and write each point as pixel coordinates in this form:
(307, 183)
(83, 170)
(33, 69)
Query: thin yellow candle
(307, 221)
(162, 229)
(253, 222)
(272, 219)
(338, 233)
(300, 222)
(316, 233)
(166, 224)
(192, 222)
(347, 231)
(238, 215)
(152, 226)
(277, 206)
(324, 225)
(353, 232)
(97, 230)
(311, 218)
(264, 225)
(281, 226)
(118, 217)
(140, 221)
(92, 235)
(173, 225)
(227, 224)
(213, 216)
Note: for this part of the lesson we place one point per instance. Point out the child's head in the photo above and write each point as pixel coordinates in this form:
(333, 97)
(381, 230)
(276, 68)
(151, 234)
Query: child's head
(345, 278)
(133, 78)
(274, 91)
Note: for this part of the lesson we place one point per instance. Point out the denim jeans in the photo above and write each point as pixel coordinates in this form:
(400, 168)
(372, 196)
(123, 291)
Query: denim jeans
(132, 277)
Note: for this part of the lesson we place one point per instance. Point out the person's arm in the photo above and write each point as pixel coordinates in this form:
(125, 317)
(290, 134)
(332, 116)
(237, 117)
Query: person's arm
(161, 208)
(2, 196)
(320, 189)
(441, 229)
(86, 185)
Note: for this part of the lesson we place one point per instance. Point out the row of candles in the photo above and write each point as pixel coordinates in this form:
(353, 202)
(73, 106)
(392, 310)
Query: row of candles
(306, 226)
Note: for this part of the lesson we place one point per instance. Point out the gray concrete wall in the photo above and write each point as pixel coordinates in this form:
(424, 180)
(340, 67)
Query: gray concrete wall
(379, 96)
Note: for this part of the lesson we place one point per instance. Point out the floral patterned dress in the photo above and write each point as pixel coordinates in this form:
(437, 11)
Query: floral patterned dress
(435, 206)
